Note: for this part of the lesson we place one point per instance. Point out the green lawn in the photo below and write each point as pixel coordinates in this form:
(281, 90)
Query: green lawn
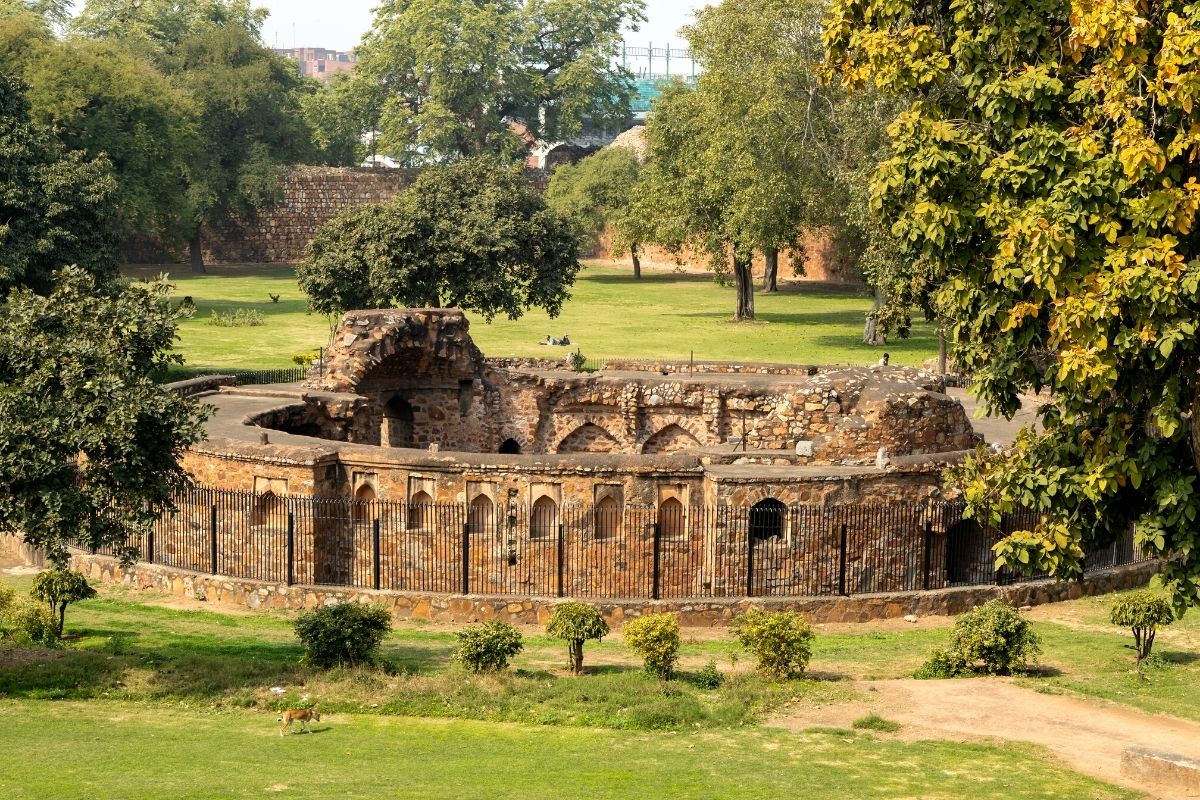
(114, 750)
(665, 315)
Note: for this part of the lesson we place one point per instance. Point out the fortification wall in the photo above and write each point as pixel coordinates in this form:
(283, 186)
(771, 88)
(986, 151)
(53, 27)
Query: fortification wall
(308, 198)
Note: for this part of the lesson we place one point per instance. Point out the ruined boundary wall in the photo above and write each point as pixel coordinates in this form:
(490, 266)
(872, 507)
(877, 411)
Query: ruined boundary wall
(309, 197)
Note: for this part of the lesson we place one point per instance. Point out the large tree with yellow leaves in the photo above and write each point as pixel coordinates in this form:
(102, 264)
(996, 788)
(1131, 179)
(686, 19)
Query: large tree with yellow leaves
(1045, 185)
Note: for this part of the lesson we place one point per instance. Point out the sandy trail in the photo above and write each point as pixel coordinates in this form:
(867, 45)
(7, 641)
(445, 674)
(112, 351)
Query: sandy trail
(1088, 735)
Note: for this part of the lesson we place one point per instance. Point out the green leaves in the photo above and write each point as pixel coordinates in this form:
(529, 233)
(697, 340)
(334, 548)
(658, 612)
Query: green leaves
(473, 235)
(89, 440)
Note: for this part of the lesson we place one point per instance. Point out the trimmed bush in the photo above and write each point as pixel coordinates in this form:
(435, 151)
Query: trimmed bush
(58, 588)
(576, 623)
(488, 647)
(654, 637)
(26, 622)
(992, 638)
(1142, 612)
(349, 633)
(708, 678)
(780, 640)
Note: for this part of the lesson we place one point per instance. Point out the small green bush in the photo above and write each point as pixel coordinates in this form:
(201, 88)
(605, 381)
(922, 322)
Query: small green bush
(306, 359)
(780, 640)
(654, 637)
(58, 588)
(576, 623)
(992, 638)
(8, 596)
(940, 664)
(238, 318)
(708, 678)
(349, 633)
(26, 622)
(1142, 612)
(488, 647)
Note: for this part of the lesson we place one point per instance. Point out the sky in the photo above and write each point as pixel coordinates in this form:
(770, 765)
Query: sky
(338, 24)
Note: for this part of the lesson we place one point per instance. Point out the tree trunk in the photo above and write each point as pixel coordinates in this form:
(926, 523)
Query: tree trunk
(942, 350)
(743, 277)
(62, 618)
(871, 334)
(637, 261)
(771, 272)
(576, 656)
(196, 253)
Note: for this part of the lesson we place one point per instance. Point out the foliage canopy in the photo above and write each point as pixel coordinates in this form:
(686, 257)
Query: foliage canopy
(473, 234)
(576, 623)
(1044, 184)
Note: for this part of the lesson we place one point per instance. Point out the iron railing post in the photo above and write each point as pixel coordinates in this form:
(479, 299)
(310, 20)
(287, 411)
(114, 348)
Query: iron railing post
(749, 561)
(375, 556)
(212, 539)
(842, 563)
(928, 553)
(561, 562)
(291, 549)
(150, 546)
(466, 557)
(656, 576)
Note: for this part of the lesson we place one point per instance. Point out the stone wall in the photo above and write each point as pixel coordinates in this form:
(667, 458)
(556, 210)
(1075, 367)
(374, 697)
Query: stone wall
(309, 197)
(693, 613)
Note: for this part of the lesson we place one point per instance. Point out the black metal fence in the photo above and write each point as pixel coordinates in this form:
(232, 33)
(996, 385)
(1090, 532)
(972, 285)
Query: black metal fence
(607, 551)
(245, 377)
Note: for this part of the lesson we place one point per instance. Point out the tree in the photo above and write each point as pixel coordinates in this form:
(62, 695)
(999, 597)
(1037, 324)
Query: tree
(340, 115)
(1045, 175)
(576, 623)
(750, 157)
(51, 12)
(598, 194)
(473, 235)
(54, 204)
(89, 437)
(246, 100)
(58, 588)
(1142, 612)
(457, 74)
(104, 101)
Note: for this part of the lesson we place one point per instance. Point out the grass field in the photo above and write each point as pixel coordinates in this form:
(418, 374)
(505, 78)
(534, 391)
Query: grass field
(665, 315)
(178, 702)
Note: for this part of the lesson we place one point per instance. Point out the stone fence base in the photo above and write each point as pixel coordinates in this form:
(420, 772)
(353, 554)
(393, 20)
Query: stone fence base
(695, 613)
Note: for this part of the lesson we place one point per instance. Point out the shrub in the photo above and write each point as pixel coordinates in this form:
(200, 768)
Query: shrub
(489, 647)
(349, 633)
(58, 588)
(576, 623)
(993, 638)
(940, 664)
(780, 640)
(25, 622)
(1142, 612)
(238, 318)
(708, 678)
(306, 359)
(654, 637)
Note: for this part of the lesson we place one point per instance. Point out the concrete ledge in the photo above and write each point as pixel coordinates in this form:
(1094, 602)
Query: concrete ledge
(695, 612)
(1164, 769)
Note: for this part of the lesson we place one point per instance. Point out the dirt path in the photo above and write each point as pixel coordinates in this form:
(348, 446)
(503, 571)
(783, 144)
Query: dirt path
(1087, 735)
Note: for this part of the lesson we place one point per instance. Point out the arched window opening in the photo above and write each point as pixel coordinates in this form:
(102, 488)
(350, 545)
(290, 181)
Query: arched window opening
(420, 511)
(543, 523)
(483, 515)
(397, 423)
(671, 522)
(269, 509)
(607, 518)
(510, 447)
(363, 499)
(767, 519)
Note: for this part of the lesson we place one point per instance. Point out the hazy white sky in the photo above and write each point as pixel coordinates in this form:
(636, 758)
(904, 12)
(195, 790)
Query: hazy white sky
(338, 24)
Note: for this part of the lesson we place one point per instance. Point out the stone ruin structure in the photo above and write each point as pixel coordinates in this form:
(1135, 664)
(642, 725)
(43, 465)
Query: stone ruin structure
(406, 406)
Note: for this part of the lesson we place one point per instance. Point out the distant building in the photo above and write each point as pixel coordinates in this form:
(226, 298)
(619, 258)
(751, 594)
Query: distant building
(319, 63)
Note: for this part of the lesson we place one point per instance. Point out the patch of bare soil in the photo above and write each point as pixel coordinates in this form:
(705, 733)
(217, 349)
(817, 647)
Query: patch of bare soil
(23, 656)
(1088, 735)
